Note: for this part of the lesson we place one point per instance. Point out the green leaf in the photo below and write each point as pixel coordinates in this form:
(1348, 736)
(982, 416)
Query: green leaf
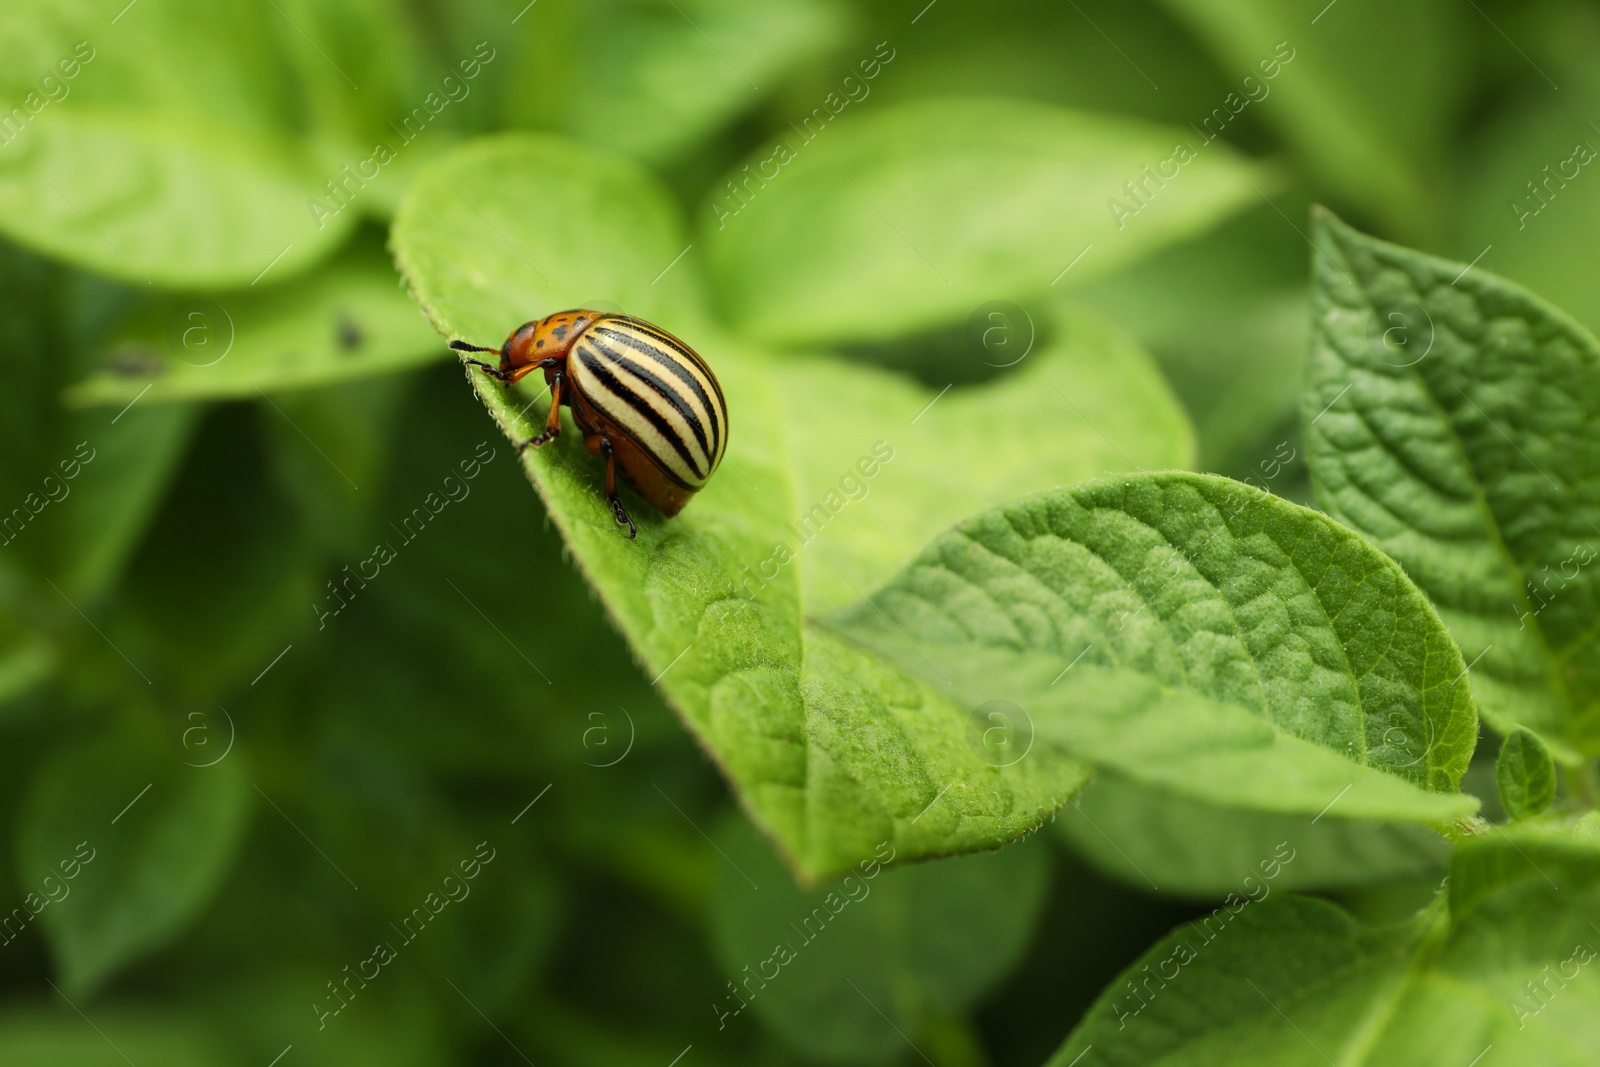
(1556, 854)
(848, 972)
(162, 201)
(225, 577)
(1097, 391)
(184, 58)
(172, 153)
(95, 528)
(1499, 975)
(398, 1024)
(1527, 204)
(119, 847)
(117, 1038)
(1196, 635)
(1038, 50)
(830, 750)
(24, 663)
(1190, 999)
(913, 215)
(347, 321)
(79, 488)
(1447, 419)
(676, 72)
(1227, 316)
(331, 449)
(1367, 127)
(1526, 774)
(1147, 838)
(358, 64)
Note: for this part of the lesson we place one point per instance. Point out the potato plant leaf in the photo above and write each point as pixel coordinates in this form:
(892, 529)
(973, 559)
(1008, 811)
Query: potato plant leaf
(345, 321)
(669, 81)
(1145, 837)
(155, 200)
(1526, 774)
(1450, 418)
(1496, 971)
(125, 1036)
(915, 942)
(831, 750)
(116, 495)
(1365, 126)
(1198, 636)
(169, 152)
(913, 215)
(120, 846)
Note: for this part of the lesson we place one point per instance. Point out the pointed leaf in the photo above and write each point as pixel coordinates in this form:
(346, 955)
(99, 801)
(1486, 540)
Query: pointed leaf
(1526, 774)
(1196, 635)
(1450, 418)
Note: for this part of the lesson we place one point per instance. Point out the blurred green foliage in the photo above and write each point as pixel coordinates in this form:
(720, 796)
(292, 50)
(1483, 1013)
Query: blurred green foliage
(275, 764)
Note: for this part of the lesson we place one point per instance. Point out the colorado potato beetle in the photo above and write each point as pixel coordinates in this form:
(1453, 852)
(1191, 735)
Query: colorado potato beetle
(641, 398)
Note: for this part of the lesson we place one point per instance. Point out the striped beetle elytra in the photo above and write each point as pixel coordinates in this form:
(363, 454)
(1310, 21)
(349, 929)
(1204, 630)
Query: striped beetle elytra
(643, 399)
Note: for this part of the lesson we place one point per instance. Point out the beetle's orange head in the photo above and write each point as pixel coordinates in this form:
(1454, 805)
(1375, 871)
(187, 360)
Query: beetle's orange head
(546, 338)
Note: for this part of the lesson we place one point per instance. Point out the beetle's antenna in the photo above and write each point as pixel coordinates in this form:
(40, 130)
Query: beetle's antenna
(462, 346)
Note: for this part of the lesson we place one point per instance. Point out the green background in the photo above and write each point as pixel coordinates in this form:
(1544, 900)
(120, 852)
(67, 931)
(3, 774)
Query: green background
(269, 789)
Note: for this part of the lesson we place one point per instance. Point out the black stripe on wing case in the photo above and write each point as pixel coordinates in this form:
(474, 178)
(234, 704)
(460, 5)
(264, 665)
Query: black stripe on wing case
(642, 408)
(675, 367)
(665, 389)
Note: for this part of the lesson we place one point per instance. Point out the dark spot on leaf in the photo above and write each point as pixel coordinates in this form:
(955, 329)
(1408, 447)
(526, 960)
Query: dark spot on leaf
(349, 334)
(135, 361)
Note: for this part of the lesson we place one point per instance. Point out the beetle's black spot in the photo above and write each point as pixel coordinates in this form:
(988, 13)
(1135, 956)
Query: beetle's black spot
(538, 344)
(560, 332)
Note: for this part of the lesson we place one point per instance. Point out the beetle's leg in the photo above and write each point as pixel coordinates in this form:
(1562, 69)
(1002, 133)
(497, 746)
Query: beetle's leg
(490, 369)
(611, 489)
(552, 425)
